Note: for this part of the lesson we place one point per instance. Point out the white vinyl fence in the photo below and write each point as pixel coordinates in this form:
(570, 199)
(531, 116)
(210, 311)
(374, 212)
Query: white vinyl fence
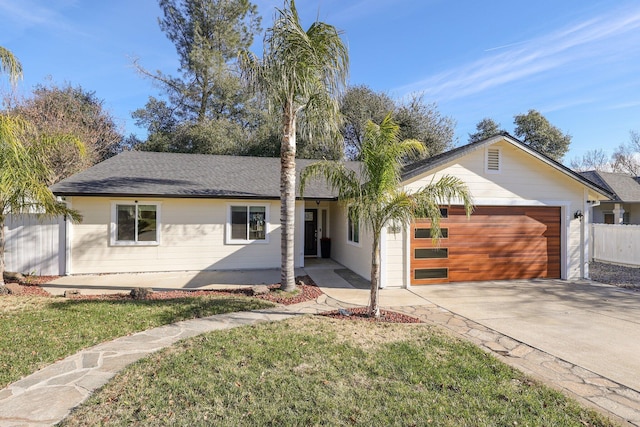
(35, 245)
(618, 244)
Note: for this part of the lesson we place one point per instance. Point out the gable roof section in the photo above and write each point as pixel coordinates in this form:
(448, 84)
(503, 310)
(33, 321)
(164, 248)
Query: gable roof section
(150, 174)
(623, 187)
(429, 164)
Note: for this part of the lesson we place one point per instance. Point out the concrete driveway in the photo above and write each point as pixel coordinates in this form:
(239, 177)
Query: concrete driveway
(590, 325)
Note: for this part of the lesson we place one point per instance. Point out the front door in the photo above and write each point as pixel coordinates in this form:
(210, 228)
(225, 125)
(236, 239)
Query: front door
(311, 232)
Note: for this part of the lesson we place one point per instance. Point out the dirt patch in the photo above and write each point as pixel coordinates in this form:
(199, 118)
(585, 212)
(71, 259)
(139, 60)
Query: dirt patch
(361, 313)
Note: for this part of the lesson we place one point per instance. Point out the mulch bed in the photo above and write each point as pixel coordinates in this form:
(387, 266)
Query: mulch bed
(360, 313)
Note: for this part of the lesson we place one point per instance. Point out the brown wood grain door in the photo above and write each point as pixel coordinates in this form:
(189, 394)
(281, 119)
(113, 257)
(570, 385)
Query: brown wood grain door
(495, 243)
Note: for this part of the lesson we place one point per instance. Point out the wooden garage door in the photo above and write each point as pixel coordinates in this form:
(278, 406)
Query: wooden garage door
(495, 243)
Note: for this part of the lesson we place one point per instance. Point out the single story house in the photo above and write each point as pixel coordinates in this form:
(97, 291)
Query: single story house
(146, 212)
(624, 208)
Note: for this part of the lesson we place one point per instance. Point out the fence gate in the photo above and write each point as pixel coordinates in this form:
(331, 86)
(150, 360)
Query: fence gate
(617, 243)
(35, 245)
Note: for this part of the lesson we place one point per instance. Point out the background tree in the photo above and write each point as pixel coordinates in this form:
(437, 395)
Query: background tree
(486, 128)
(24, 175)
(359, 105)
(536, 132)
(423, 122)
(373, 196)
(595, 159)
(209, 94)
(68, 110)
(301, 74)
(10, 65)
(416, 118)
(626, 158)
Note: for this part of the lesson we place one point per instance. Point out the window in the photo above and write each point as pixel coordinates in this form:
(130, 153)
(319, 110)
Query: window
(430, 273)
(135, 223)
(353, 228)
(492, 160)
(431, 253)
(425, 233)
(626, 218)
(247, 223)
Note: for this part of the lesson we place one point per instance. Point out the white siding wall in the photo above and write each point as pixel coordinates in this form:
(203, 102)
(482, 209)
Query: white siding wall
(395, 263)
(192, 237)
(354, 257)
(523, 180)
(632, 208)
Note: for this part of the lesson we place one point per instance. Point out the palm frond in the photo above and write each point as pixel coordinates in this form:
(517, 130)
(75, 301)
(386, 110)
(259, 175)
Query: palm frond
(10, 65)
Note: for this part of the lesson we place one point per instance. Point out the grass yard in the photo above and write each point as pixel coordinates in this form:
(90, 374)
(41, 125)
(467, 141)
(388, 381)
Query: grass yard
(37, 331)
(321, 371)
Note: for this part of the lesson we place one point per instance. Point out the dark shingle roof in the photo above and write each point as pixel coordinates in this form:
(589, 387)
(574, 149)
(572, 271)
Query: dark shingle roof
(150, 174)
(625, 188)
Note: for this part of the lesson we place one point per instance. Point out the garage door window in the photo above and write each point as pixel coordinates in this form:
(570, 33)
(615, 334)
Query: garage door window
(425, 233)
(431, 273)
(431, 253)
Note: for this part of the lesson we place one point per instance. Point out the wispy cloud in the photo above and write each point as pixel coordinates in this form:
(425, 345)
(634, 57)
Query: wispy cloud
(590, 40)
(27, 14)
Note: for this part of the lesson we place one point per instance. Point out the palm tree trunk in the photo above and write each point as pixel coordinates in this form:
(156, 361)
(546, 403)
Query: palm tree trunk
(374, 307)
(288, 200)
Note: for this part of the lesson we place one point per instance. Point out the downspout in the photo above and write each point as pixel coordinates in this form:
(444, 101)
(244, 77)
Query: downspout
(67, 239)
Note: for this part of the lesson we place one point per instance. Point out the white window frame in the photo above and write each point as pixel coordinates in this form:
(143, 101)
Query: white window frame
(267, 209)
(351, 230)
(486, 160)
(114, 223)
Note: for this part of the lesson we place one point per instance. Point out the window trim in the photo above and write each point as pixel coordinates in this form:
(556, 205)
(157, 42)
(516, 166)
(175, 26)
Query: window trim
(486, 160)
(227, 238)
(351, 228)
(113, 229)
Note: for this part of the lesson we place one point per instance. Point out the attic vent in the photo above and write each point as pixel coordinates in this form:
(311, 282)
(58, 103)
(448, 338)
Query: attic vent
(493, 160)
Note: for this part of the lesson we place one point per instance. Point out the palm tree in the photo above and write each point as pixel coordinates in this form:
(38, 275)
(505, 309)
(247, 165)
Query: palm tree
(10, 65)
(374, 196)
(23, 175)
(301, 75)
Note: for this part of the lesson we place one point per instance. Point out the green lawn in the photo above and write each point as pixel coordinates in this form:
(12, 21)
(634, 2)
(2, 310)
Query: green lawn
(37, 331)
(319, 371)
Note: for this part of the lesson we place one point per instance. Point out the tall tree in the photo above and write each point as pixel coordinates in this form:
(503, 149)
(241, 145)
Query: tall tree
(373, 195)
(10, 65)
(626, 158)
(486, 128)
(595, 159)
(359, 105)
(69, 110)
(301, 74)
(207, 35)
(24, 174)
(536, 132)
(422, 121)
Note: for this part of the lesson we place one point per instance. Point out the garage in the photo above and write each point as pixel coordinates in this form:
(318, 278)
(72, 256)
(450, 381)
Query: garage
(495, 243)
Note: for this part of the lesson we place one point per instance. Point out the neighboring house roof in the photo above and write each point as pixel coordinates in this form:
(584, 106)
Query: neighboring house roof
(624, 188)
(426, 165)
(150, 174)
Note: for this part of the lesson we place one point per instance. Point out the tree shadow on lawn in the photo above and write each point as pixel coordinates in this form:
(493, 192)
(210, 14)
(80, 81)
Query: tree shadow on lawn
(163, 311)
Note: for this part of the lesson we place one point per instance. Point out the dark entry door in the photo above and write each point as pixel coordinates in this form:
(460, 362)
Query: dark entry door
(311, 232)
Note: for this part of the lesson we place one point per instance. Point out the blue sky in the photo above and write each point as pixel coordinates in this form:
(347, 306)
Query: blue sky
(576, 61)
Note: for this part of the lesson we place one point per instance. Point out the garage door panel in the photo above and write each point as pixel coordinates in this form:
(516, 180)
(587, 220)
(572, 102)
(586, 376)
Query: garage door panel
(495, 243)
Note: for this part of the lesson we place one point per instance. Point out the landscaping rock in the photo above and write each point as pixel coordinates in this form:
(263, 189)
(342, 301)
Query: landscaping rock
(260, 290)
(14, 288)
(10, 275)
(141, 293)
(70, 293)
